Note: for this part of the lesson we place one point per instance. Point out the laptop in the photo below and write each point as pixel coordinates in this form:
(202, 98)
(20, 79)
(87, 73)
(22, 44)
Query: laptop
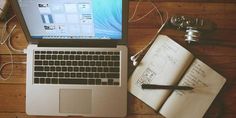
(76, 57)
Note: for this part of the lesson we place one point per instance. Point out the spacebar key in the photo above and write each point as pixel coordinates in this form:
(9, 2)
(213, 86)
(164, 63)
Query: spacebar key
(72, 81)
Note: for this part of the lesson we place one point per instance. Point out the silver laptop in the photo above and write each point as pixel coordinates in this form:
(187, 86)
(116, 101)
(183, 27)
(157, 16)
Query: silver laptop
(76, 57)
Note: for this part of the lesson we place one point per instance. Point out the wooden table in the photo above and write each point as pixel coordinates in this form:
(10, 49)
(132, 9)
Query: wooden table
(220, 57)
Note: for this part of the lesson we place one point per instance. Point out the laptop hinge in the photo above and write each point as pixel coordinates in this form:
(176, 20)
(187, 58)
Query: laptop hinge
(76, 45)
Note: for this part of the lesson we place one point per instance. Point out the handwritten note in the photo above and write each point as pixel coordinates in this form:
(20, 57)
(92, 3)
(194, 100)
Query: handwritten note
(194, 78)
(194, 103)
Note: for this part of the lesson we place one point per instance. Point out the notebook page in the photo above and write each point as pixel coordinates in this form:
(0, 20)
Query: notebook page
(163, 64)
(194, 103)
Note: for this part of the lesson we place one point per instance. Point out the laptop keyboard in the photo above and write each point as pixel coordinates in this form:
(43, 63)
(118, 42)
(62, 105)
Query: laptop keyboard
(77, 67)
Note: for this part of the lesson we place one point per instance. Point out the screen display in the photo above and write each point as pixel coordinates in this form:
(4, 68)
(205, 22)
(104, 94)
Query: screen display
(73, 19)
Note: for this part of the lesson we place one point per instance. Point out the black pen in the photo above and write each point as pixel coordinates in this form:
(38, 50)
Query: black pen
(172, 87)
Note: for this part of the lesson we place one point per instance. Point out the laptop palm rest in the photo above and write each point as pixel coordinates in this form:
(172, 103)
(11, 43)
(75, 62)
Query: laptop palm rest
(75, 101)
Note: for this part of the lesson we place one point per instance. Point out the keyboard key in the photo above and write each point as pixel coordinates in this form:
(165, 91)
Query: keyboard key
(38, 63)
(73, 81)
(67, 74)
(98, 81)
(73, 52)
(45, 63)
(70, 69)
(74, 63)
(64, 68)
(49, 52)
(113, 75)
(54, 81)
(51, 63)
(98, 63)
(60, 57)
(117, 63)
(39, 74)
(46, 68)
(43, 52)
(114, 69)
(58, 68)
(43, 57)
(79, 75)
(54, 57)
(72, 57)
(52, 68)
(61, 75)
(55, 52)
(57, 63)
(49, 74)
(91, 81)
(48, 57)
(37, 52)
(104, 53)
(55, 74)
(72, 74)
(89, 67)
(63, 63)
(110, 81)
(117, 53)
(85, 75)
(48, 81)
(42, 80)
(36, 80)
(115, 57)
(36, 56)
(76, 69)
(61, 52)
(67, 52)
(38, 68)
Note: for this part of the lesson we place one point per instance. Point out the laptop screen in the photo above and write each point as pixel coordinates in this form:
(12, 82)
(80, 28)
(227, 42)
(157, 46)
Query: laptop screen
(73, 19)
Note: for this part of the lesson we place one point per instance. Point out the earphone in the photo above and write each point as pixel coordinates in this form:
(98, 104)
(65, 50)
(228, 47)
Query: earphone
(135, 58)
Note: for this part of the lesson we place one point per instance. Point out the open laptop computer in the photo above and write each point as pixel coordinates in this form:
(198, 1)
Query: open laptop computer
(64, 36)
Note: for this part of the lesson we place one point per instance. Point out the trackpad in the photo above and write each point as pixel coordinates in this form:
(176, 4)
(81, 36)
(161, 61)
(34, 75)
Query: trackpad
(75, 101)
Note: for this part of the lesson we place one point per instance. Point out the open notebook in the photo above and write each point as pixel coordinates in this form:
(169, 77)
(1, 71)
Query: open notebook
(168, 63)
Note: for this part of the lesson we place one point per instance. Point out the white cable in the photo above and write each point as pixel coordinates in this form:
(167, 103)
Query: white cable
(142, 17)
(5, 28)
(12, 48)
(8, 36)
(158, 11)
(12, 65)
(7, 64)
(1, 77)
(135, 10)
(3, 42)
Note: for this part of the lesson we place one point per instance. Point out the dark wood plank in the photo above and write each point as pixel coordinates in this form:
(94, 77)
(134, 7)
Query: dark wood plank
(18, 72)
(12, 98)
(218, 1)
(221, 57)
(219, 13)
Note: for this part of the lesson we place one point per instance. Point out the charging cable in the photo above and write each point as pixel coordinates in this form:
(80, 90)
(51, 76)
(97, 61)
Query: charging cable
(136, 57)
(7, 63)
(6, 37)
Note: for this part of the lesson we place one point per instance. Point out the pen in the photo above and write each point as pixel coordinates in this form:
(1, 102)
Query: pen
(173, 87)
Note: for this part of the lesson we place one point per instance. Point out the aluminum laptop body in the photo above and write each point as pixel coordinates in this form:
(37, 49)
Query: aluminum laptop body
(74, 25)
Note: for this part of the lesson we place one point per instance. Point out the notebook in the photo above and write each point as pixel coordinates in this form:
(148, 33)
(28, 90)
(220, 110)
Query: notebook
(76, 57)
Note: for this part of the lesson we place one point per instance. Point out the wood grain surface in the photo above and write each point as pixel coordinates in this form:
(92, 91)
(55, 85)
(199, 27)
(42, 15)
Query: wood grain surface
(221, 57)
